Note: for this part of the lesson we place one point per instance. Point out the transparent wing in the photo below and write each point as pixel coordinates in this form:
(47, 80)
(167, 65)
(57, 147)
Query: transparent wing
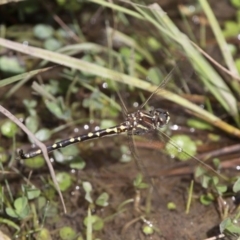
(156, 158)
(176, 81)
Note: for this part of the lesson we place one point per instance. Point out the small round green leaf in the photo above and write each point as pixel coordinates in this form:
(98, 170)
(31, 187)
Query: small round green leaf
(171, 206)
(11, 212)
(78, 163)
(148, 230)
(34, 163)
(43, 134)
(11, 65)
(102, 200)
(64, 180)
(32, 192)
(52, 44)
(43, 234)
(67, 233)
(9, 129)
(182, 147)
(154, 75)
(43, 31)
(153, 43)
(221, 188)
(236, 186)
(20, 203)
(32, 123)
(206, 199)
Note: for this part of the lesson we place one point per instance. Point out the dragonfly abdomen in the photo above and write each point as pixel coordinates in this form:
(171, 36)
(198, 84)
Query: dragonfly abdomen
(82, 138)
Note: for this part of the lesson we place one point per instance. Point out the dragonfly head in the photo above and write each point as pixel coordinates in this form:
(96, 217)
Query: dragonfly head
(160, 117)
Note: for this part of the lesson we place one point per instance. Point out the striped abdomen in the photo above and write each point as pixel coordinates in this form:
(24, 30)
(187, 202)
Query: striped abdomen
(85, 137)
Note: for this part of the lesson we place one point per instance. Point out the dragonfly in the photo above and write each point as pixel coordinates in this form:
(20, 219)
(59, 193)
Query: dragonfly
(139, 122)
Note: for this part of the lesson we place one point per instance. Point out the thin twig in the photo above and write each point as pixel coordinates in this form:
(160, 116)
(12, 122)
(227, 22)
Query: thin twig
(214, 61)
(9, 115)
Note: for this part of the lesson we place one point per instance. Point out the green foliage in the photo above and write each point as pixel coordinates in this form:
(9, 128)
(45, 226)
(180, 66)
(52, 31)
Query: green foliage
(78, 163)
(93, 101)
(148, 230)
(70, 5)
(96, 222)
(44, 234)
(43, 134)
(58, 109)
(128, 53)
(209, 182)
(11, 65)
(41, 203)
(154, 75)
(88, 189)
(67, 233)
(32, 123)
(34, 163)
(125, 154)
(32, 192)
(231, 29)
(61, 107)
(214, 137)
(235, 3)
(207, 199)
(3, 155)
(236, 186)
(30, 105)
(9, 129)
(153, 43)
(21, 208)
(232, 48)
(171, 206)
(68, 154)
(106, 123)
(177, 144)
(138, 182)
(230, 226)
(102, 200)
(199, 124)
(43, 31)
(64, 180)
(237, 63)
(52, 44)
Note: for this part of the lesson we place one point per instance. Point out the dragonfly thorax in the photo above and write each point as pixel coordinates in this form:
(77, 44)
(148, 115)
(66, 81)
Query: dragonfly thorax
(141, 122)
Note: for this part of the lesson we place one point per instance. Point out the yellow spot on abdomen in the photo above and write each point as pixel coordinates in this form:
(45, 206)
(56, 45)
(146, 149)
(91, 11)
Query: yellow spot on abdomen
(98, 134)
(38, 151)
(54, 145)
(122, 127)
